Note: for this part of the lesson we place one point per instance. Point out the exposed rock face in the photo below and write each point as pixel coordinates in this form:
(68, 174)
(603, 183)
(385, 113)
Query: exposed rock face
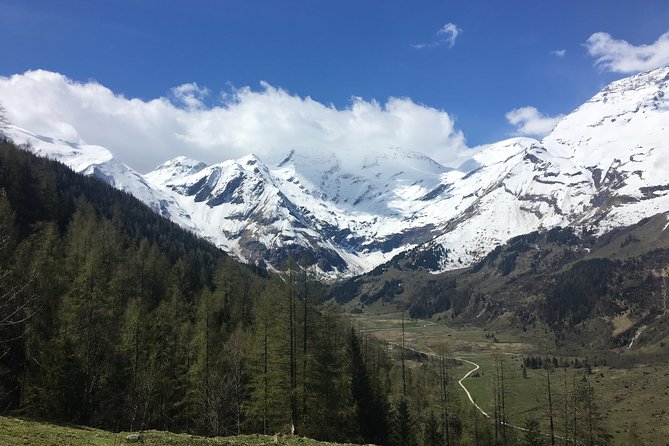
(605, 165)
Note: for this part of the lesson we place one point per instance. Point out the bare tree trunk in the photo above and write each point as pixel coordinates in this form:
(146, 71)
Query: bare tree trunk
(404, 379)
(265, 376)
(206, 357)
(495, 392)
(503, 400)
(574, 406)
(476, 427)
(550, 406)
(566, 410)
(293, 349)
(304, 348)
(444, 397)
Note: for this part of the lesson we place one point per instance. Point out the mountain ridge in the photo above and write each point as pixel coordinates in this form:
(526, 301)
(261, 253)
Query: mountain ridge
(346, 213)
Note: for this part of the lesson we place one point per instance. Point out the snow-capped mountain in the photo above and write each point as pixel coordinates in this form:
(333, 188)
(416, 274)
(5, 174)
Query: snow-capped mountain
(343, 215)
(99, 162)
(604, 165)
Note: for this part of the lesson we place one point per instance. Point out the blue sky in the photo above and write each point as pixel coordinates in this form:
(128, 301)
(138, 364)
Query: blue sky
(502, 58)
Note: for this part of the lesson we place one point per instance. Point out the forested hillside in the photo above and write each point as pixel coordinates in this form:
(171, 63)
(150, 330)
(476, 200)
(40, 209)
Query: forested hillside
(575, 283)
(113, 317)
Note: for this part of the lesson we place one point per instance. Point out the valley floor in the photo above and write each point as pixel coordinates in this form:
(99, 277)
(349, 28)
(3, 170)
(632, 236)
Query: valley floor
(18, 432)
(633, 393)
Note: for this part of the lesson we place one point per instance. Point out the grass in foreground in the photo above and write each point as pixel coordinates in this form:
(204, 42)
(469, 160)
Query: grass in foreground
(17, 432)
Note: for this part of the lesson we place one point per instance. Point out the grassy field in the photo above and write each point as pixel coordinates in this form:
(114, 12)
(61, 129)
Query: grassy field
(17, 432)
(634, 397)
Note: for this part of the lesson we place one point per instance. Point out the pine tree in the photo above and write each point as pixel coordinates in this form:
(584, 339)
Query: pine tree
(236, 380)
(590, 422)
(208, 385)
(403, 430)
(532, 435)
(131, 345)
(86, 310)
(432, 436)
(332, 413)
(269, 402)
(444, 395)
(371, 412)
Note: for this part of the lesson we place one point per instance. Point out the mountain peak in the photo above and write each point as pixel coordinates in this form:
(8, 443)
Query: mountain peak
(179, 167)
(180, 162)
(604, 165)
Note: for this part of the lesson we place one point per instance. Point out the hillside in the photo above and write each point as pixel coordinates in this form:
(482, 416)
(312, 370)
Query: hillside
(18, 432)
(598, 291)
(114, 317)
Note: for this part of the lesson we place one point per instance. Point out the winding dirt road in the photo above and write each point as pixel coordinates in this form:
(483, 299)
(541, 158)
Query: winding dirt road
(460, 381)
(469, 395)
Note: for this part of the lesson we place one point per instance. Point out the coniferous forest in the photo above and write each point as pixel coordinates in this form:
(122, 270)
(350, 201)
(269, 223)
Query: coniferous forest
(116, 318)
(113, 317)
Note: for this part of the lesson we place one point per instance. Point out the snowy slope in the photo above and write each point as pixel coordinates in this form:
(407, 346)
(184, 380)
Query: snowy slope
(99, 162)
(620, 140)
(604, 165)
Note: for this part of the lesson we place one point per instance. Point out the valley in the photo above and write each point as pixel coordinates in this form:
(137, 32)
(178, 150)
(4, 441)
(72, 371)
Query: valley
(311, 223)
(632, 385)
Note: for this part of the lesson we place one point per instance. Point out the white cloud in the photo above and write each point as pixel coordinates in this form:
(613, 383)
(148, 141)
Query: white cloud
(530, 122)
(267, 122)
(445, 36)
(451, 32)
(191, 95)
(559, 53)
(620, 56)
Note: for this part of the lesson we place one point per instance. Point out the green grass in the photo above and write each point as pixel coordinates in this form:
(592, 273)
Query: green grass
(18, 432)
(636, 394)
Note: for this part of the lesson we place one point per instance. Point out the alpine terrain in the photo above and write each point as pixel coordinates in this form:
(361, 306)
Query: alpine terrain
(603, 166)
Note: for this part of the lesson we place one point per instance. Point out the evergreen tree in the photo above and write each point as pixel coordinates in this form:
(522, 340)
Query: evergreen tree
(403, 429)
(331, 415)
(371, 411)
(269, 402)
(590, 428)
(432, 435)
(532, 434)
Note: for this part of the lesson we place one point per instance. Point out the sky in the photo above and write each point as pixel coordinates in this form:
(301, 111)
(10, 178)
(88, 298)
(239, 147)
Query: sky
(216, 79)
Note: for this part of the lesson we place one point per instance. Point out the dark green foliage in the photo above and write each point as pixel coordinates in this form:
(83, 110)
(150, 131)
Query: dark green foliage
(438, 296)
(432, 435)
(345, 291)
(578, 291)
(489, 259)
(428, 258)
(387, 292)
(118, 318)
(532, 435)
(403, 429)
(508, 263)
(563, 236)
(371, 408)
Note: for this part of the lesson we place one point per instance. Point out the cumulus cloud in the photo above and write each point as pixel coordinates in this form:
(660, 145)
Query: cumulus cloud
(268, 122)
(191, 95)
(445, 36)
(530, 122)
(620, 56)
(559, 53)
